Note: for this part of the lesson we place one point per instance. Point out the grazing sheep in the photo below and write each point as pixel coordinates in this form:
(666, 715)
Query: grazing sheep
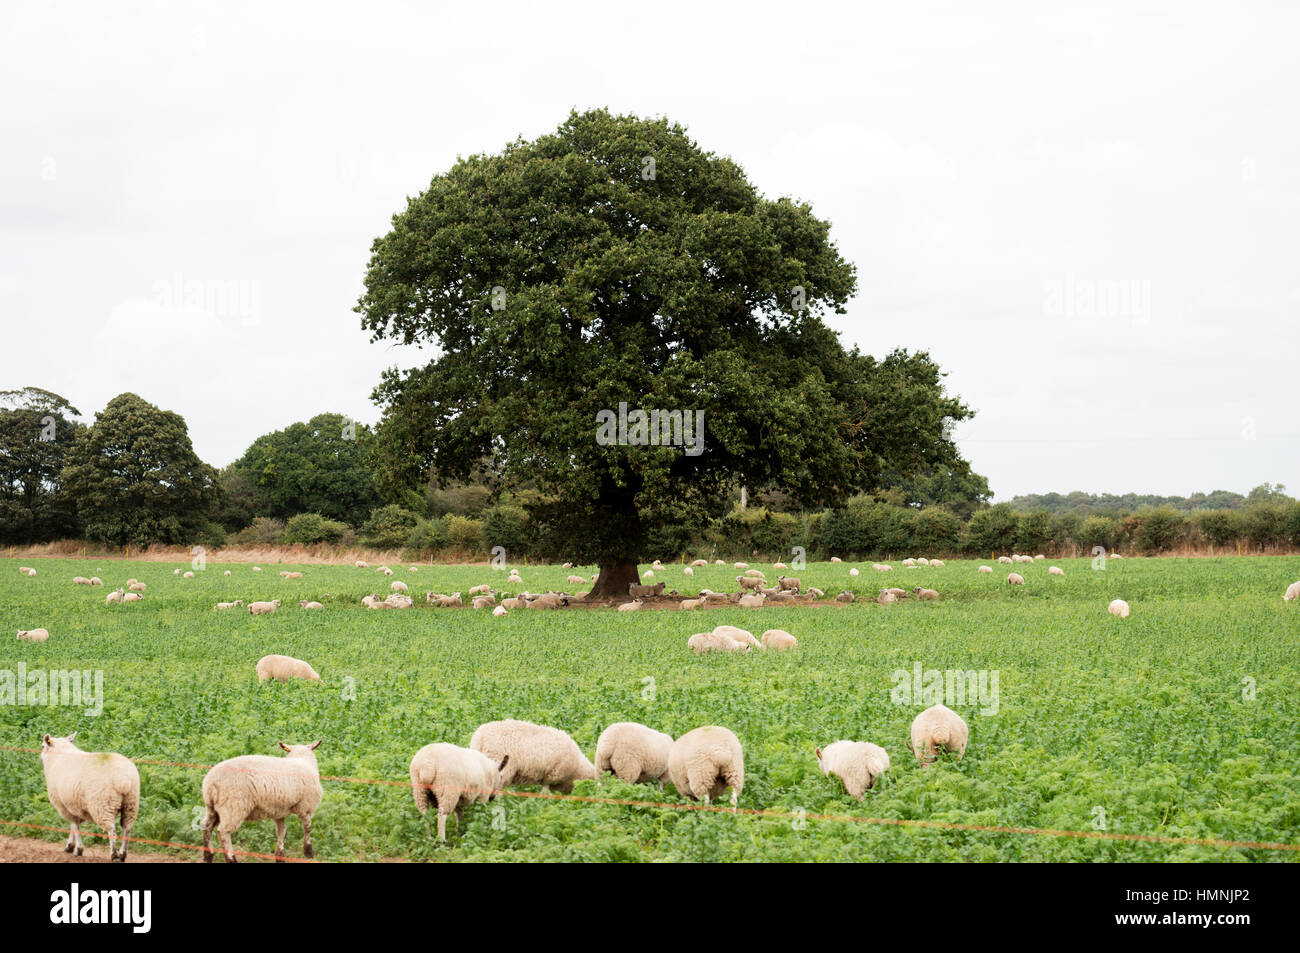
(928, 594)
(631, 606)
(575, 580)
(114, 596)
(176, 572)
(936, 562)
(227, 572)
(702, 642)
(80, 581)
(986, 569)
(756, 573)
(705, 762)
(256, 787)
(836, 559)
(33, 635)
(291, 575)
(688, 571)
(132, 597)
(1118, 607)
(399, 586)
(1292, 592)
(857, 763)
(567, 566)
(844, 596)
(882, 567)
(752, 601)
(539, 754)
(304, 604)
(738, 634)
(909, 562)
(1004, 559)
(938, 728)
(779, 639)
(719, 562)
(789, 582)
(749, 582)
(134, 586)
(237, 604)
(188, 575)
(1055, 571)
(740, 566)
(1040, 556)
(257, 569)
(282, 668)
(637, 592)
(1015, 579)
(453, 778)
(699, 562)
(96, 581)
(779, 565)
(84, 786)
(636, 754)
(263, 608)
(361, 564)
(500, 610)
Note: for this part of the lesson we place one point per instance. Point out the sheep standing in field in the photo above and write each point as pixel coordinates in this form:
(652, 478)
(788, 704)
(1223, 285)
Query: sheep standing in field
(836, 559)
(928, 594)
(256, 787)
(91, 786)
(399, 586)
(1015, 579)
(114, 596)
(788, 582)
(226, 573)
(176, 572)
(282, 668)
(361, 564)
(1055, 571)
(1004, 559)
(688, 571)
(857, 763)
(80, 581)
(263, 608)
(539, 754)
(1118, 607)
(749, 582)
(779, 639)
(636, 754)
(1292, 592)
(33, 635)
(986, 569)
(576, 580)
(705, 762)
(453, 778)
(935, 729)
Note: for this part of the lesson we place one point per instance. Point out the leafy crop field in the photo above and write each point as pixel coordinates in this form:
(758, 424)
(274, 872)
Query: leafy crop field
(1180, 721)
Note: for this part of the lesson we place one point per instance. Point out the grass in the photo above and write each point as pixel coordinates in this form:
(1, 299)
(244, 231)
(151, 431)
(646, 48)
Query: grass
(1179, 721)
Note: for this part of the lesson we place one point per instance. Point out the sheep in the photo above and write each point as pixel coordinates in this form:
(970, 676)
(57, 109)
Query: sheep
(132, 597)
(714, 598)
(844, 596)
(857, 763)
(483, 602)
(480, 590)
(636, 591)
(853, 572)
(547, 600)
(632, 606)
(176, 572)
(749, 582)
(740, 566)
(936, 562)
(815, 592)
(291, 575)
(938, 727)
(909, 562)
(26, 570)
(237, 604)
(836, 559)
(96, 581)
(539, 754)
(636, 754)
(779, 565)
(135, 586)
(986, 569)
(453, 778)
(399, 586)
(500, 610)
(719, 562)
(33, 635)
(1118, 607)
(756, 573)
(779, 639)
(705, 762)
(1055, 571)
(886, 597)
(881, 567)
(575, 580)
(1015, 579)
(257, 569)
(688, 571)
(786, 597)
(373, 601)
(448, 602)
(112, 597)
(361, 564)
(226, 573)
(282, 668)
(897, 593)
(699, 562)
(84, 786)
(738, 635)
(80, 581)
(263, 608)
(304, 604)
(1039, 556)
(517, 602)
(922, 561)
(702, 642)
(256, 787)
(752, 602)
(188, 575)
(567, 566)
(1292, 592)
(648, 574)
(789, 582)
(415, 569)
(691, 603)
(1004, 559)
(928, 594)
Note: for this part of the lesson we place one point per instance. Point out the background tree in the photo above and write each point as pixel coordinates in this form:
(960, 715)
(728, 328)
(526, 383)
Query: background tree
(136, 478)
(36, 432)
(617, 261)
(314, 467)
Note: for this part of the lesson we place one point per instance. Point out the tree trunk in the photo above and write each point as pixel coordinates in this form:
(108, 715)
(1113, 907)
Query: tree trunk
(614, 579)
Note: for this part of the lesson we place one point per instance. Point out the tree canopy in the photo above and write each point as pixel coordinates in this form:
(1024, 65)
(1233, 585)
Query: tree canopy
(36, 431)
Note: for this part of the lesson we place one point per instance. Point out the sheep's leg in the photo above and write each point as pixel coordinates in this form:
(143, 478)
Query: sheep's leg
(460, 815)
(110, 826)
(279, 839)
(129, 810)
(442, 827)
(306, 835)
(76, 836)
(72, 838)
(209, 822)
(227, 848)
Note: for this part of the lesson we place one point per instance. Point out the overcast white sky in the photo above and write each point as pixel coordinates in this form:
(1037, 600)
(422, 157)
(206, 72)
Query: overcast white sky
(989, 167)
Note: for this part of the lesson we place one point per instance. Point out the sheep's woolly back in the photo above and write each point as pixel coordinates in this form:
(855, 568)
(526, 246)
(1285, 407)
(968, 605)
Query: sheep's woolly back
(938, 728)
(1015, 579)
(1292, 592)
(636, 754)
(705, 762)
(702, 642)
(856, 763)
(33, 635)
(90, 785)
(779, 639)
(1118, 607)
(450, 777)
(282, 668)
(737, 634)
(539, 754)
(257, 787)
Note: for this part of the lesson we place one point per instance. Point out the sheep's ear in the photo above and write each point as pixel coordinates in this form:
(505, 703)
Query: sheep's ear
(283, 745)
(502, 765)
(49, 740)
(315, 744)
(818, 752)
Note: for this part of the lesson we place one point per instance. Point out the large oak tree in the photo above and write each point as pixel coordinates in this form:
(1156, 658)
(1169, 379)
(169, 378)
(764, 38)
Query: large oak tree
(616, 261)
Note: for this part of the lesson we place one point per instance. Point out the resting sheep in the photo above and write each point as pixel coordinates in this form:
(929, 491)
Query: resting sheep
(705, 762)
(1118, 607)
(538, 754)
(636, 754)
(453, 778)
(282, 668)
(857, 763)
(925, 593)
(986, 569)
(702, 642)
(1055, 571)
(102, 787)
(938, 728)
(779, 639)
(637, 592)
(632, 606)
(844, 596)
(32, 635)
(256, 787)
(738, 634)
(752, 601)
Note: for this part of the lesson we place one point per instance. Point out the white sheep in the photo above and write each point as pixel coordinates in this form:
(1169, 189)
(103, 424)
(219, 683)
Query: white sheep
(1292, 592)
(1004, 559)
(1118, 607)
(453, 778)
(719, 562)
(483, 602)
(576, 580)
(226, 573)
(853, 572)
(836, 559)
(1039, 556)
(26, 570)
(740, 635)
(283, 667)
(176, 572)
(135, 586)
(702, 642)
(928, 594)
(705, 762)
(291, 575)
(539, 754)
(83, 786)
(256, 787)
(399, 600)
(1015, 579)
(632, 606)
(752, 601)
(986, 569)
(263, 608)
(815, 592)
(399, 586)
(96, 581)
(699, 562)
(114, 596)
(936, 562)
(237, 604)
(688, 571)
(188, 575)
(740, 566)
(922, 561)
(636, 754)
(1055, 571)
(779, 565)
(688, 604)
(373, 601)
(881, 567)
(361, 564)
(133, 597)
(779, 639)
(304, 604)
(80, 581)
(257, 569)
(857, 763)
(33, 635)
(938, 728)
(648, 574)
(500, 610)
(886, 598)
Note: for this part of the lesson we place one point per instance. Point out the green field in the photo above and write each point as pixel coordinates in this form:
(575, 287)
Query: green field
(1147, 718)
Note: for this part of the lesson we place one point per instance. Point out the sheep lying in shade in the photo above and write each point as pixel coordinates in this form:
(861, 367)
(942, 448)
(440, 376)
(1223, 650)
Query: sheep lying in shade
(857, 763)
(636, 754)
(779, 639)
(1118, 607)
(705, 762)
(938, 728)
(33, 635)
(453, 778)
(538, 754)
(632, 606)
(83, 786)
(255, 787)
(283, 667)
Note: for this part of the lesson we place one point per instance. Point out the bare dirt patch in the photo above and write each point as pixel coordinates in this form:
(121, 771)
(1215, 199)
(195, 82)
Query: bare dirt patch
(33, 850)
